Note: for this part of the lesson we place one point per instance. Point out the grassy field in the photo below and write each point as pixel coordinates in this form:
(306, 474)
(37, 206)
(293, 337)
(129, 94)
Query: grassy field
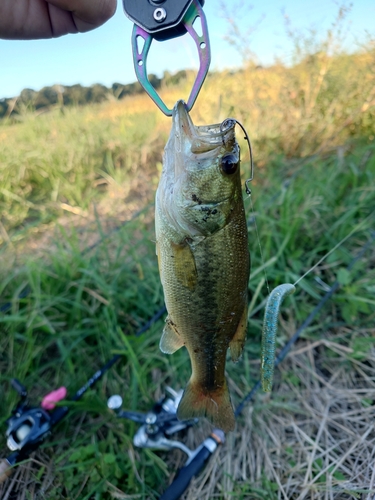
(72, 183)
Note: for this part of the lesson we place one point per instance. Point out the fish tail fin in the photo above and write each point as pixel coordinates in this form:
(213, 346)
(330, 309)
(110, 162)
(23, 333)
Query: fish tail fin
(214, 405)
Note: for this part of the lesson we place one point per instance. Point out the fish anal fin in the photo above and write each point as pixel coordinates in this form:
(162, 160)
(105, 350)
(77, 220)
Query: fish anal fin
(184, 265)
(214, 405)
(170, 340)
(238, 341)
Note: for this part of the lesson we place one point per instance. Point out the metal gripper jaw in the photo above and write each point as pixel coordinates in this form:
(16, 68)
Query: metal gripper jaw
(163, 20)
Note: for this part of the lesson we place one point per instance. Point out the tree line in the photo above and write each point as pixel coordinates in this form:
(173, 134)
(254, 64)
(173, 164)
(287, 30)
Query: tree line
(78, 95)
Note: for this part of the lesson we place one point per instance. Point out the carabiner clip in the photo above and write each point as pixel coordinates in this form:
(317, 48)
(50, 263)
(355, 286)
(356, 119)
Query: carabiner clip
(202, 42)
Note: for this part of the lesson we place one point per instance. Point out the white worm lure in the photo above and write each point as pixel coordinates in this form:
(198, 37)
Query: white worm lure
(269, 332)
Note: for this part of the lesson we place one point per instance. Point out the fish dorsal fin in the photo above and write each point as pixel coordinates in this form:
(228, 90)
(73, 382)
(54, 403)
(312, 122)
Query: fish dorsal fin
(170, 341)
(184, 265)
(238, 341)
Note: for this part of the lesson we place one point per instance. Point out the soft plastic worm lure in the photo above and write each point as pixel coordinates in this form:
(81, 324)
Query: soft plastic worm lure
(269, 332)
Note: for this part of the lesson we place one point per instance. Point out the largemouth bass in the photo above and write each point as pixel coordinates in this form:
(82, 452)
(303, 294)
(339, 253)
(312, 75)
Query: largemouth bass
(204, 262)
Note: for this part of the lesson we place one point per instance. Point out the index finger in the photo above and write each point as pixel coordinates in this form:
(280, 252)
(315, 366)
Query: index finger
(33, 19)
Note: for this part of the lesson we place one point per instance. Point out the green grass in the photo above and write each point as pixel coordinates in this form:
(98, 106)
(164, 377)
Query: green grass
(68, 181)
(85, 306)
(64, 161)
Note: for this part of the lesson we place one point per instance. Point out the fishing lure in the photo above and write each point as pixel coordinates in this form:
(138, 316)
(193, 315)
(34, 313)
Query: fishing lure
(269, 332)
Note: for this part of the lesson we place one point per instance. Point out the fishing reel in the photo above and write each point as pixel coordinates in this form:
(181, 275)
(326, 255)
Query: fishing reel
(158, 424)
(28, 426)
(156, 428)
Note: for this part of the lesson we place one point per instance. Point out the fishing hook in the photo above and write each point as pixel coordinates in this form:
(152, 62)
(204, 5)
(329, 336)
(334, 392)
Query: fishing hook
(227, 123)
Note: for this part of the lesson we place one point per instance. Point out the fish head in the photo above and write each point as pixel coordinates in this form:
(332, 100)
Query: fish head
(200, 186)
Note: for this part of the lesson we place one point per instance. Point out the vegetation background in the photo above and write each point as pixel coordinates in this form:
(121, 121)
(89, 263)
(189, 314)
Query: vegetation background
(78, 268)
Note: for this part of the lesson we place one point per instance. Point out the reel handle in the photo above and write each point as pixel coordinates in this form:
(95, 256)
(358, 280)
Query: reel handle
(20, 388)
(5, 470)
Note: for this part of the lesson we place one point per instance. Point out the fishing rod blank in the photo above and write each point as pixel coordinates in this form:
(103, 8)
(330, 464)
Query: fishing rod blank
(195, 466)
(28, 427)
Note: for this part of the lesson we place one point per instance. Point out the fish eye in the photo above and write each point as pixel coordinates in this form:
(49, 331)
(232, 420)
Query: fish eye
(229, 164)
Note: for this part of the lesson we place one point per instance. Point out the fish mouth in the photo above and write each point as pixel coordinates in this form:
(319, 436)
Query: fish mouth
(199, 139)
(182, 123)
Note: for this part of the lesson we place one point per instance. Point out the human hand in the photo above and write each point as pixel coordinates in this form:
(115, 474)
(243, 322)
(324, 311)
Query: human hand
(32, 19)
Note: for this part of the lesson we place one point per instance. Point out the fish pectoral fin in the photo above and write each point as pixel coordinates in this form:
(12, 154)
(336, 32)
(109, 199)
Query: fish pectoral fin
(238, 341)
(184, 265)
(171, 340)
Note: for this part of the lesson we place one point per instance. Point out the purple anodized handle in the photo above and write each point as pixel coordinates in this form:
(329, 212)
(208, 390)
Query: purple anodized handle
(194, 14)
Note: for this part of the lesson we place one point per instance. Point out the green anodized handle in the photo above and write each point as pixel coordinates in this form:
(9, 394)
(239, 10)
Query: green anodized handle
(140, 53)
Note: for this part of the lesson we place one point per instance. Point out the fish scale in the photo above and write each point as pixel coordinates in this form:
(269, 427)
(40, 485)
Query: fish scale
(202, 247)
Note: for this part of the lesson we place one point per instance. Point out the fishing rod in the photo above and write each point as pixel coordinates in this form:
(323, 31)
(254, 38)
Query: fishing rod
(29, 426)
(202, 454)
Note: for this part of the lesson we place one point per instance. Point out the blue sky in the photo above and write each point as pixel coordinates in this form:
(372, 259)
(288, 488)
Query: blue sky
(104, 55)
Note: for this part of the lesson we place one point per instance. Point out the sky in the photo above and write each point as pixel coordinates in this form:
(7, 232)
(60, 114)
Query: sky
(104, 55)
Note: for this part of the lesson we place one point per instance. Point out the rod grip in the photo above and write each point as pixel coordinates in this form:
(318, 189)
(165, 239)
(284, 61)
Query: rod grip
(5, 470)
(185, 475)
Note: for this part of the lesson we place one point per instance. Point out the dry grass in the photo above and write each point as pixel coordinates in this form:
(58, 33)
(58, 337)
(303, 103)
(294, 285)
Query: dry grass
(313, 439)
(310, 440)
(93, 168)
